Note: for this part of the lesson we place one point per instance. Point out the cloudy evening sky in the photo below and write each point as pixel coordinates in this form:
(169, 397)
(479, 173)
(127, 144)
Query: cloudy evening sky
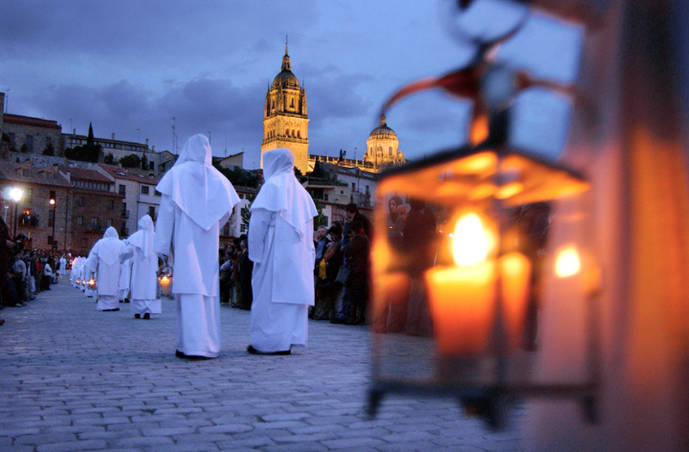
(130, 66)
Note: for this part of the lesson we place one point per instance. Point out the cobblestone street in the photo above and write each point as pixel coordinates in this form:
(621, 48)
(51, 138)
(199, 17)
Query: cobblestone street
(73, 378)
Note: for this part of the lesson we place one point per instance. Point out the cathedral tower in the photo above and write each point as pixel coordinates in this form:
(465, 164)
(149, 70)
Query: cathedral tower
(285, 120)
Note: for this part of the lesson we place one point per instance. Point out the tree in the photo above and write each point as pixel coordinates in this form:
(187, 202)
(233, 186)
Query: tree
(130, 161)
(109, 159)
(24, 148)
(49, 150)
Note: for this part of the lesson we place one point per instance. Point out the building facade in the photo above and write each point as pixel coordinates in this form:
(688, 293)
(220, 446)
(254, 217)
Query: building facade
(95, 206)
(26, 134)
(285, 117)
(43, 212)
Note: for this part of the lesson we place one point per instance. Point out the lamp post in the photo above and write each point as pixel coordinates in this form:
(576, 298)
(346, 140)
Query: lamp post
(16, 194)
(53, 204)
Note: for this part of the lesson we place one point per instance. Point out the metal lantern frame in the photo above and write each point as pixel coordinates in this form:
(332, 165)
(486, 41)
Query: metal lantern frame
(486, 384)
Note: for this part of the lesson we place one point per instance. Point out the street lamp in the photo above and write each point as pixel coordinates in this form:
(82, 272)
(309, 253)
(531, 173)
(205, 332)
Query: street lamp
(16, 194)
(53, 204)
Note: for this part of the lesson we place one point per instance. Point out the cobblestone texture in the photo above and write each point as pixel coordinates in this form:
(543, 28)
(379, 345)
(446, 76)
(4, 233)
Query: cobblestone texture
(73, 378)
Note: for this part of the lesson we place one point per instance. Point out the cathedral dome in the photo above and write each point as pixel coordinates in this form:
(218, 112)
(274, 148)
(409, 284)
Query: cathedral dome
(382, 131)
(285, 79)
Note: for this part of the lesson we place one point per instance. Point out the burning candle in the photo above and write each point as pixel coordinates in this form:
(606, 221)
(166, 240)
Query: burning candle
(515, 276)
(461, 296)
(165, 285)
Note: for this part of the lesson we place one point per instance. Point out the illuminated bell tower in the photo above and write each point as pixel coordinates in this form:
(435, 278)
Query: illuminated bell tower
(285, 119)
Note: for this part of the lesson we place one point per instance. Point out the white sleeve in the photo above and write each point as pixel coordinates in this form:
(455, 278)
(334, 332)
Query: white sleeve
(164, 226)
(128, 252)
(258, 227)
(91, 264)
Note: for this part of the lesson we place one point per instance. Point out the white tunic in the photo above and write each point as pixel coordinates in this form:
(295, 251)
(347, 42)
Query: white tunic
(104, 260)
(125, 276)
(144, 282)
(281, 247)
(196, 200)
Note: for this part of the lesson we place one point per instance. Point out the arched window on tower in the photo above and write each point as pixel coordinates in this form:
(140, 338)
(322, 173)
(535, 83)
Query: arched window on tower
(291, 104)
(390, 151)
(298, 133)
(286, 132)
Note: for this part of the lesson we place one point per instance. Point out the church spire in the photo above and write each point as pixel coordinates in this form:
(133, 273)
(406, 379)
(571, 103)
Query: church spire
(286, 66)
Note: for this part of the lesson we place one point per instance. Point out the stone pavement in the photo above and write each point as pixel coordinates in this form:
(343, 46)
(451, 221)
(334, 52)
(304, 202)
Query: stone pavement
(72, 378)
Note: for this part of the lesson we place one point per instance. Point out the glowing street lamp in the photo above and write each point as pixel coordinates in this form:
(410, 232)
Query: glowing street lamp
(16, 194)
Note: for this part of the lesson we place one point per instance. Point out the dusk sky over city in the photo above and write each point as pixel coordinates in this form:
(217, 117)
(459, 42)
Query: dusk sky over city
(129, 67)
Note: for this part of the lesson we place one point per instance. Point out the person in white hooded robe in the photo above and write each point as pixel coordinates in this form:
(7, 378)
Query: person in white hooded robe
(144, 261)
(62, 267)
(281, 247)
(196, 202)
(104, 260)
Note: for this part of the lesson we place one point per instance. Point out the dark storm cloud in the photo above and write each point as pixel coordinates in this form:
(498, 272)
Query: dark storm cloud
(155, 30)
(217, 105)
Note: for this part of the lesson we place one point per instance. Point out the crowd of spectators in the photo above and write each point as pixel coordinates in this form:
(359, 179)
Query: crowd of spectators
(24, 271)
(235, 275)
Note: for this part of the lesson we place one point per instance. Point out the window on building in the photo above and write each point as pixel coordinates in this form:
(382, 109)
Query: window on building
(152, 212)
(29, 142)
(151, 165)
(109, 221)
(353, 186)
(80, 220)
(367, 192)
(123, 189)
(80, 202)
(111, 204)
(94, 221)
(12, 139)
(144, 189)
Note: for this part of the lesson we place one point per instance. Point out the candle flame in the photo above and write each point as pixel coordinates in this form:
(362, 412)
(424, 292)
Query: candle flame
(567, 262)
(470, 242)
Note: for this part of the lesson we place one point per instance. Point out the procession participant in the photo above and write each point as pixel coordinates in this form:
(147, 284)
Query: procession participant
(62, 266)
(125, 278)
(196, 202)
(141, 254)
(104, 260)
(281, 247)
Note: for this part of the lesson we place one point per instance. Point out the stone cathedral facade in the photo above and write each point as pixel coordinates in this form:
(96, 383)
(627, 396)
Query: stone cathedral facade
(285, 117)
(286, 125)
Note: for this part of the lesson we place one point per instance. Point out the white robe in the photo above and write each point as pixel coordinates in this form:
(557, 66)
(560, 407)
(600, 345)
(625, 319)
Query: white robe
(144, 282)
(125, 277)
(196, 200)
(281, 292)
(195, 278)
(62, 267)
(100, 261)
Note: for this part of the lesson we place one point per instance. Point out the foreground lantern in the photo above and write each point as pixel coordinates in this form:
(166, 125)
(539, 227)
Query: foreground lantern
(165, 281)
(91, 284)
(454, 298)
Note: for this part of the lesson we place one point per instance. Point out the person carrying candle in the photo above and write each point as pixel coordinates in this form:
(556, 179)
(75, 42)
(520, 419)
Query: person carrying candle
(104, 260)
(144, 266)
(196, 202)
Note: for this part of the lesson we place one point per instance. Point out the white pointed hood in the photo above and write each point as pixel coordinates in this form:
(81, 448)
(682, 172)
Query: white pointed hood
(198, 189)
(282, 193)
(110, 246)
(143, 238)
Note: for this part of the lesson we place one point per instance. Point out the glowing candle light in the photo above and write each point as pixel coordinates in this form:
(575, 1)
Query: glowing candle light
(461, 296)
